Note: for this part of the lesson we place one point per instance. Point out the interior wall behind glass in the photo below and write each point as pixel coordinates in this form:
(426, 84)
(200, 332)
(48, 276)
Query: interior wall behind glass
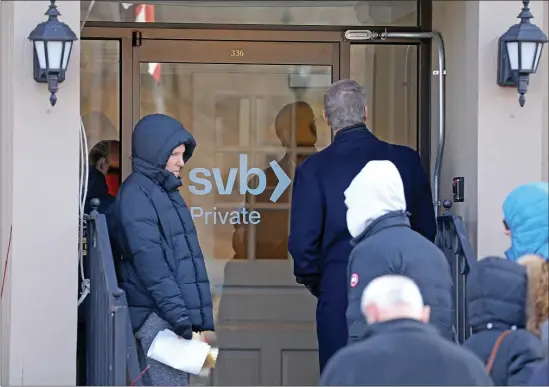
(100, 89)
(342, 12)
(388, 74)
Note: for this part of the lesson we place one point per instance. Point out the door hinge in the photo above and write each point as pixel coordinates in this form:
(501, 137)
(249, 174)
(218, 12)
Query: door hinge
(136, 38)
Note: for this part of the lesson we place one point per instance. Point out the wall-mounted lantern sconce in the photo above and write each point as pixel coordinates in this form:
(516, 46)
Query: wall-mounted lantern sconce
(519, 53)
(52, 41)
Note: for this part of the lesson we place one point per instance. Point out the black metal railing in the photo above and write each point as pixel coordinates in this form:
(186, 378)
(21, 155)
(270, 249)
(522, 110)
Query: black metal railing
(453, 240)
(110, 350)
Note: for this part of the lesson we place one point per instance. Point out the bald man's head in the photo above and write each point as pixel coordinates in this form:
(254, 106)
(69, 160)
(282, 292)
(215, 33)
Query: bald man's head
(392, 297)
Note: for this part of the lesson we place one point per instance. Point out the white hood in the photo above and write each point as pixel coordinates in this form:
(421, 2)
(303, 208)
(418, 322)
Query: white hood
(374, 192)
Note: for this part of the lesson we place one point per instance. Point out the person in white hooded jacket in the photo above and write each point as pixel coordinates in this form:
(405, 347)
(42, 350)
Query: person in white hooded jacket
(384, 243)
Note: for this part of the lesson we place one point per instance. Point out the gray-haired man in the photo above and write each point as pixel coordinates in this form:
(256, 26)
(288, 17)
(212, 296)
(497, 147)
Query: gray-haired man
(401, 349)
(319, 240)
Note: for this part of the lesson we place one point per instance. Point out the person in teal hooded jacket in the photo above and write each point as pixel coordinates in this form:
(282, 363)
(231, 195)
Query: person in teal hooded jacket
(526, 220)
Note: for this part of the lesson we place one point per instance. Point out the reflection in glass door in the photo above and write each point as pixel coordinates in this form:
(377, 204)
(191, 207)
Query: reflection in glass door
(253, 123)
(388, 73)
(244, 116)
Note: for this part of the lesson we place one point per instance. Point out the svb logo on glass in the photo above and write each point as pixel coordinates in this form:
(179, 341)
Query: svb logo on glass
(201, 184)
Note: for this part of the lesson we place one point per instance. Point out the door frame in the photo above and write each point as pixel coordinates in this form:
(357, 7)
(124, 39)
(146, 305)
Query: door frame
(128, 37)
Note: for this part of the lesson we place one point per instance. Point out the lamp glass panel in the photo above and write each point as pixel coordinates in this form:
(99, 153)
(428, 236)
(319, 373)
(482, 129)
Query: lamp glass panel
(512, 52)
(66, 55)
(527, 55)
(538, 56)
(55, 53)
(40, 53)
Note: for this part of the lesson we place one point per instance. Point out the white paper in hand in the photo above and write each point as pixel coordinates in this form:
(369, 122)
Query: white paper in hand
(184, 355)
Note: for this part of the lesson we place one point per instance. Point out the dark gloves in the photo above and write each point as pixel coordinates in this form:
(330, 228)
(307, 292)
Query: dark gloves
(314, 289)
(185, 332)
(184, 328)
(311, 282)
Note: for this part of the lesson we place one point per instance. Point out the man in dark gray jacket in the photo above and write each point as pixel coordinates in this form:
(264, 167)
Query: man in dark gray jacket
(401, 349)
(385, 244)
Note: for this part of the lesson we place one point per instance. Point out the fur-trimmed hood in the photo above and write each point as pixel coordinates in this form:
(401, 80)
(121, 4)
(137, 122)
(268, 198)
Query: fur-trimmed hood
(538, 297)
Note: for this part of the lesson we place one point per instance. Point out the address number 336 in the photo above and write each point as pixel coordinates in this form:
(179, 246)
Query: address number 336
(236, 52)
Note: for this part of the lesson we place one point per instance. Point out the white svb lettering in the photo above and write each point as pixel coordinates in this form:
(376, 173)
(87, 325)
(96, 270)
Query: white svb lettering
(214, 216)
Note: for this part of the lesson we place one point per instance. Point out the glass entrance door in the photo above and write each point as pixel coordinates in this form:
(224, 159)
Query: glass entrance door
(255, 110)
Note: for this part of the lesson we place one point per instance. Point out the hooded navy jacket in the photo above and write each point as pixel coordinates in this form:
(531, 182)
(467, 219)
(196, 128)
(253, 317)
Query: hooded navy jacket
(497, 291)
(162, 268)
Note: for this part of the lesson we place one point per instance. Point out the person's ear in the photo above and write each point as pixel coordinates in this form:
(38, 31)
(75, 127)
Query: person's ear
(102, 165)
(365, 113)
(325, 118)
(371, 312)
(426, 315)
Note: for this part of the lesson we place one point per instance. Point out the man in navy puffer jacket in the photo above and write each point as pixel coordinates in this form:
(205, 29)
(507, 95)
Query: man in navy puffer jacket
(162, 268)
(497, 291)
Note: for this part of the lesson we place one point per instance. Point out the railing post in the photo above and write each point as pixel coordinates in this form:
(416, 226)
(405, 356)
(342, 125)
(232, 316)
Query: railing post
(453, 240)
(110, 349)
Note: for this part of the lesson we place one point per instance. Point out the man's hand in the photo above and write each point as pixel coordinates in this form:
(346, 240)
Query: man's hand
(314, 289)
(312, 283)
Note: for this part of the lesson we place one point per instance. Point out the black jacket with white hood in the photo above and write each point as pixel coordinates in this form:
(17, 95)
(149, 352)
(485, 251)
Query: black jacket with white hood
(384, 244)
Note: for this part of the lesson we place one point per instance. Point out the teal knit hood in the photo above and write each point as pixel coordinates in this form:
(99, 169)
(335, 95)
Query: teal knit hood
(526, 212)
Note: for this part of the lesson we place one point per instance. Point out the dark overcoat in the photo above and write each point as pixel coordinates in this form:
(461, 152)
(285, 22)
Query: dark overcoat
(319, 240)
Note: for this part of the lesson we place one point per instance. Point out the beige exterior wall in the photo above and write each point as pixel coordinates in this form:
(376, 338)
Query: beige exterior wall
(491, 141)
(39, 189)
